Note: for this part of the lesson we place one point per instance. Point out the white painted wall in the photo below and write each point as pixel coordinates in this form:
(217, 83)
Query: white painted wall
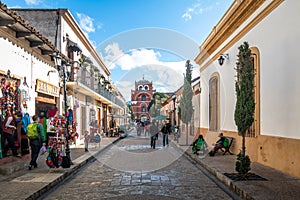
(197, 112)
(66, 29)
(280, 86)
(23, 64)
(277, 38)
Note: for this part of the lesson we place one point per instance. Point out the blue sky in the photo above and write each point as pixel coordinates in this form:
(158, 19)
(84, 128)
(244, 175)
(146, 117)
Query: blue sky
(136, 33)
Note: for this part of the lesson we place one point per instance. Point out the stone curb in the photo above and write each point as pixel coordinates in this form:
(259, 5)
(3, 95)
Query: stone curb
(67, 173)
(228, 182)
(8, 170)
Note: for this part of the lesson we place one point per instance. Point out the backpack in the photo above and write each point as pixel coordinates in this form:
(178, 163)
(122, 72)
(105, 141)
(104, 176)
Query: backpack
(97, 138)
(225, 143)
(199, 145)
(32, 131)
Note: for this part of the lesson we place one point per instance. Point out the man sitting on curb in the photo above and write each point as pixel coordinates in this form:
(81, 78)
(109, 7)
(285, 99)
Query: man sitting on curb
(222, 142)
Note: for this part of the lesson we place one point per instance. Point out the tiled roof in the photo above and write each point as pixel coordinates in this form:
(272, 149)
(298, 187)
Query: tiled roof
(22, 22)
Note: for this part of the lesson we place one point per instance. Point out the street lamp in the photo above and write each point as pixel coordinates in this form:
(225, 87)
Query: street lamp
(65, 70)
(174, 99)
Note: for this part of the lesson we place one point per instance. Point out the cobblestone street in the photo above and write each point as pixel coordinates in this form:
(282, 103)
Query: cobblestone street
(132, 170)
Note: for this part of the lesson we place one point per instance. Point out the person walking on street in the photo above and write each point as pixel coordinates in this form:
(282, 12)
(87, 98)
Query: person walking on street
(166, 129)
(147, 127)
(86, 141)
(154, 134)
(36, 136)
(18, 132)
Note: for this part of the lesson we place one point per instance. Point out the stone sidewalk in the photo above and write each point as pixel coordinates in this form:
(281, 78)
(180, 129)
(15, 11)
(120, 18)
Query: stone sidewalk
(17, 182)
(277, 186)
(25, 184)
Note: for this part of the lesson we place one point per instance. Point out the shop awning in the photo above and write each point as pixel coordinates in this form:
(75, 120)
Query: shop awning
(161, 117)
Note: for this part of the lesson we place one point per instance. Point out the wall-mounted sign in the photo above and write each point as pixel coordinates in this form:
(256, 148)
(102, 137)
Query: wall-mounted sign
(46, 88)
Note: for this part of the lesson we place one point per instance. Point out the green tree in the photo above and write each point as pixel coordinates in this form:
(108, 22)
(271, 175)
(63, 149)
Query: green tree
(245, 105)
(131, 112)
(155, 104)
(186, 103)
(188, 74)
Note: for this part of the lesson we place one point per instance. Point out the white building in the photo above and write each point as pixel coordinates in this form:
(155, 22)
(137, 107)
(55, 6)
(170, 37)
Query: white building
(270, 27)
(26, 55)
(91, 96)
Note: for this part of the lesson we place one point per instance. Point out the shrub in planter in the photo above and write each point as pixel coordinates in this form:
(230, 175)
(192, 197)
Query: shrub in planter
(242, 165)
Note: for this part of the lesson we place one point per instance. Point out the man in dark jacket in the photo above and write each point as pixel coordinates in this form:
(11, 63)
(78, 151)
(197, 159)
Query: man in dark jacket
(154, 134)
(166, 129)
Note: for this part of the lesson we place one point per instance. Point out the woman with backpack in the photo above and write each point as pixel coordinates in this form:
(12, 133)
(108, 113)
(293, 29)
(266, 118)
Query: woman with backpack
(35, 134)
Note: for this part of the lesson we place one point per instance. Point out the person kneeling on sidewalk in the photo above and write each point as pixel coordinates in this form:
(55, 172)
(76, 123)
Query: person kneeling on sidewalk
(198, 145)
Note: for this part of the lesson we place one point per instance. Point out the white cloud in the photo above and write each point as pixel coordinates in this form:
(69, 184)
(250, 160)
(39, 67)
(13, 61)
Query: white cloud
(33, 2)
(99, 25)
(127, 61)
(165, 78)
(86, 23)
(114, 56)
(112, 53)
(187, 16)
(196, 9)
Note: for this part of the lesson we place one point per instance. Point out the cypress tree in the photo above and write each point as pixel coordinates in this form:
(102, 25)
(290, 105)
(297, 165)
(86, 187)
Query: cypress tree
(186, 103)
(245, 105)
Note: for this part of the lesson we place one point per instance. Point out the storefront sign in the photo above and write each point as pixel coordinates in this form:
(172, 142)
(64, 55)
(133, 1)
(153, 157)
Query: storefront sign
(45, 100)
(47, 88)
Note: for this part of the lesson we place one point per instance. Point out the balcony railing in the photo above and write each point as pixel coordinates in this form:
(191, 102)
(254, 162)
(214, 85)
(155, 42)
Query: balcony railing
(84, 77)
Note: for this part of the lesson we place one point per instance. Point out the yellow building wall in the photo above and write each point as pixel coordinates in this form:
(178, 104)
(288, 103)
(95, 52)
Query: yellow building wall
(280, 153)
(276, 152)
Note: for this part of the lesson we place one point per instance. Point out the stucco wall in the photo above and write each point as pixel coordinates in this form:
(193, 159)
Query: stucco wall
(22, 63)
(276, 152)
(279, 153)
(276, 37)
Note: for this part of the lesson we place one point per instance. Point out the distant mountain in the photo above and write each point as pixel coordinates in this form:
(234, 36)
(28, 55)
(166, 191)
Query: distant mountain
(164, 79)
